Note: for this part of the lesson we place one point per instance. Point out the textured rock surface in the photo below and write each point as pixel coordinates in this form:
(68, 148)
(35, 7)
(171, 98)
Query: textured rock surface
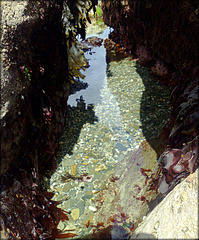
(34, 86)
(176, 217)
(128, 195)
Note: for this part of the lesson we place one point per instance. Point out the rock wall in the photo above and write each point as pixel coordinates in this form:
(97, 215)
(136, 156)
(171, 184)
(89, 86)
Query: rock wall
(163, 34)
(38, 45)
(34, 87)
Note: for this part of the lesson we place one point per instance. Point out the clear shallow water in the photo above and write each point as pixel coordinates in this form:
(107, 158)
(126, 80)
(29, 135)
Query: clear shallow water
(129, 106)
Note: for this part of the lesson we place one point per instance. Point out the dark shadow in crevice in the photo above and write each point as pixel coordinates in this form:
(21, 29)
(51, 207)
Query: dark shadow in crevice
(75, 119)
(76, 86)
(155, 112)
(155, 109)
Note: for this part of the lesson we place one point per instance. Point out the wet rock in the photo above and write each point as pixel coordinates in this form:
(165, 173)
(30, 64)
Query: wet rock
(94, 41)
(160, 69)
(176, 216)
(87, 217)
(143, 55)
(178, 163)
(67, 187)
(94, 209)
(74, 169)
(139, 27)
(88, 195)
(122, 195)
(119, 232)
(120, 147)
(81, 206)
(26, 99)
(100, 168)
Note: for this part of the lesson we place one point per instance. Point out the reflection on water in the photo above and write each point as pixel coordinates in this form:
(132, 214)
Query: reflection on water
(95, 75)
(107, 121)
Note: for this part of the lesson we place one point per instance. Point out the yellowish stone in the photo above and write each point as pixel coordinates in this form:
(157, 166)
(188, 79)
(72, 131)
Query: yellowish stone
(75, 214)
(73, 169)
(95, 160)
(100, 168)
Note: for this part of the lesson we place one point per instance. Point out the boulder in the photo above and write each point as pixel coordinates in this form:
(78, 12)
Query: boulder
(176, 217)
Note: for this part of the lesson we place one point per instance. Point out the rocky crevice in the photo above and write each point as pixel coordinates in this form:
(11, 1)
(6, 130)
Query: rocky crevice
(163, 36)
(36, 88)
(34, 93)
(35, 51)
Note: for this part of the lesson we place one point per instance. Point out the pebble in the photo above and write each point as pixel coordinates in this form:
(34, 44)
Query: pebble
(67, 187)
(61, 226)
(88, 217)
(81, 205)
(88, 195)
(75, 214)
(120, 147)
(100, 168)
(157, 224)
(94, 209)
(73, 169)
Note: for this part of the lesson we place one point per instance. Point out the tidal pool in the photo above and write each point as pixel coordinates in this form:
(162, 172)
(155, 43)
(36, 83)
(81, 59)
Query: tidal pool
(106, 142)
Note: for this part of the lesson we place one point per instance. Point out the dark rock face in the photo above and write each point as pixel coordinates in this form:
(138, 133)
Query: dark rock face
(34, 92)
(35, 52)
(36, 88)
(165, 31)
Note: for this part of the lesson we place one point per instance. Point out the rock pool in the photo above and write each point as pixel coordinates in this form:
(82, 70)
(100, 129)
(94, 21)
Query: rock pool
(112, 132)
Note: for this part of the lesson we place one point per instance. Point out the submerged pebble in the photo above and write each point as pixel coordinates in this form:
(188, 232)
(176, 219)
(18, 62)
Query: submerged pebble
(75, 214)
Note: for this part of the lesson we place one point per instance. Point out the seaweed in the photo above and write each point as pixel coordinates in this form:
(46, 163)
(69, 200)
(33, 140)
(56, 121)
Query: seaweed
(29, 213)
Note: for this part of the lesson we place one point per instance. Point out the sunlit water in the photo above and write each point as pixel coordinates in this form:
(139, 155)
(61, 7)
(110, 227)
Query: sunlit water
(129, 107)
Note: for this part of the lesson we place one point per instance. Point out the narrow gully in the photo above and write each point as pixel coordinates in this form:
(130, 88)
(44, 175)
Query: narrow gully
(106, 144)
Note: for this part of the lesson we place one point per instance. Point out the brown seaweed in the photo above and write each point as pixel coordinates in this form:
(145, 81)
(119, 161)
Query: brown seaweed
(29, 213)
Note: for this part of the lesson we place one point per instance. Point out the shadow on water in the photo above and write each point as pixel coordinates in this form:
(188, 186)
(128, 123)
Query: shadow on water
(154, 106)
(76, 118)
(76, 86)
(81, 114)
(115, 232)
(154, 109)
